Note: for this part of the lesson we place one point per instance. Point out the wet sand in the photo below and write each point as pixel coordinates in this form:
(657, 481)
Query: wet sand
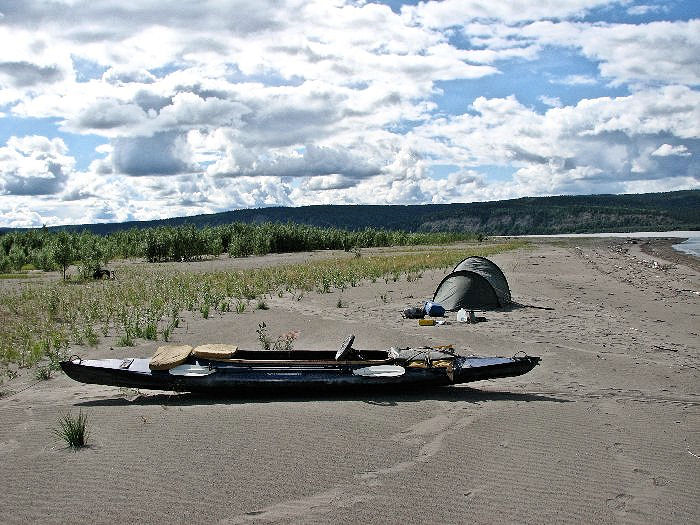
(605, 430)
(663, 249)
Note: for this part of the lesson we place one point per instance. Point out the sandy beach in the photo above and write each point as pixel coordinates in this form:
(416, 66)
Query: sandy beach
(605, 430)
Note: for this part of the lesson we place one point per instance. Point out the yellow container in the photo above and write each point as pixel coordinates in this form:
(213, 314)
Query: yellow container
(426, 322)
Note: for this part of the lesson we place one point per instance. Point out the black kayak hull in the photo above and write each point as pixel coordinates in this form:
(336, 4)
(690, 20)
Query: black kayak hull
(234, 377)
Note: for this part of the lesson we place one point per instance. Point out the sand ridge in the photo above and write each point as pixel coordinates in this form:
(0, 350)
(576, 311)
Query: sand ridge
(605, 430)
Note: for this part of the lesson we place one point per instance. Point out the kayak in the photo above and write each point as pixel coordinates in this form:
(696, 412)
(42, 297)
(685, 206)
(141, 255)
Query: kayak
(348, 368)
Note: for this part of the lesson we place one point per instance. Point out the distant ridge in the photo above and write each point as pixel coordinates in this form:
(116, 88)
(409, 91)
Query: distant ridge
(679, 210)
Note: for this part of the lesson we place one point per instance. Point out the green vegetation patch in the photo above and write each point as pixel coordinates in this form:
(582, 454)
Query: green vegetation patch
(18, 275)
(41, 320)
(59, 250)
(73, 430)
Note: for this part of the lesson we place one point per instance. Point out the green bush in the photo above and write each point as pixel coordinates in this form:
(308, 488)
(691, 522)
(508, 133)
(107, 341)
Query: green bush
(43, 373)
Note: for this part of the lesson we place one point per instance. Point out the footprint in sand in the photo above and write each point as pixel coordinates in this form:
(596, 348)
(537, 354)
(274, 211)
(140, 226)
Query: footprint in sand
(661, 481)
(658, 481)
(8, 446)
(619, 502)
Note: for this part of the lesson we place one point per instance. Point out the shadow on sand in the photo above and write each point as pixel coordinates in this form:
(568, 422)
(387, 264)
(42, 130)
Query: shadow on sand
(517, 306)
(453, 394)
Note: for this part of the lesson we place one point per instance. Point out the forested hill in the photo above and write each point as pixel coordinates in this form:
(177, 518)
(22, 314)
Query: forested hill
(678, 210)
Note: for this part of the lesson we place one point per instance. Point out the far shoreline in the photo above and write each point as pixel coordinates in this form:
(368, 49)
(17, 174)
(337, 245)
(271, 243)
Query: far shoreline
(663, 248)
(659, 244)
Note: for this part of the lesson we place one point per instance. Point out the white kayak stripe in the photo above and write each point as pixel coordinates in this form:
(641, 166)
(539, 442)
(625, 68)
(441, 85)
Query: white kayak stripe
(380, 371)
(191, 370)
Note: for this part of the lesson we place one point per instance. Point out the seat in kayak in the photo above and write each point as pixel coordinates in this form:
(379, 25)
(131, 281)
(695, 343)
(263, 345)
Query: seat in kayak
(215, 351)
(167, 357)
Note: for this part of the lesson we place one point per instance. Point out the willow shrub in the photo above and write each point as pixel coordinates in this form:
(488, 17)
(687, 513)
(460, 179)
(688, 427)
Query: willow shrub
(58, 249)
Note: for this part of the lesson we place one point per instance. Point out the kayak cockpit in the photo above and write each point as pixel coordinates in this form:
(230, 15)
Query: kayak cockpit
(170, 356)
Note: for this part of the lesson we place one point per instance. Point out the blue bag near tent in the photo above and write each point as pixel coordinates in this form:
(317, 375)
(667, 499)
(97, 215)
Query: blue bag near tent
(434, 309)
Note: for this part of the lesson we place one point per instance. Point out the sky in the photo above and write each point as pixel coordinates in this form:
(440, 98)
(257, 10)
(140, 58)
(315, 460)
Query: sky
(119, 110)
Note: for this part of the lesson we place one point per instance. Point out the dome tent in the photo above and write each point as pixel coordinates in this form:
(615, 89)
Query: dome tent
(489, 271)
(475, 282)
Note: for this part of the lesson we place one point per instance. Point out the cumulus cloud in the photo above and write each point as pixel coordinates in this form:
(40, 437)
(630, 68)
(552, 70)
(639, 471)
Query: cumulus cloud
(553, 102)
(661, 52)
(21, 216)
(161, 154)
(106, 114)
(34, 165)
(117, 75)
(328, 182)
(598, 143)
(653, 53)
(119, 197)
(666, 150)
(25, 74)
(449, 13)
(312, 161)
(461, 185)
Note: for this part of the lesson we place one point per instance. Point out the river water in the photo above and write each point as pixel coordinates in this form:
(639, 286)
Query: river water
(691, 246)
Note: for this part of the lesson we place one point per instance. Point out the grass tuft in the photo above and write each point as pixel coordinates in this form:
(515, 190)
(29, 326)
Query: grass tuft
(73, 430)
(125, 340)
(204, 309)
(151, 331)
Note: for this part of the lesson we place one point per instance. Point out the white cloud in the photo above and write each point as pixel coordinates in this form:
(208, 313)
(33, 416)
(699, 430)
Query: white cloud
(121, 198)
(553, 102)
(313, 161)
(328, 182)
(117, 75)
(25, 74)
(34, 165)
(666, 150)
(575, 80)
(21, 216)
(134, 155)
(653, 53)
(639, 10)
(662, 52)
(599, 143)
(450, 13)
(107, 114)
(459, 186)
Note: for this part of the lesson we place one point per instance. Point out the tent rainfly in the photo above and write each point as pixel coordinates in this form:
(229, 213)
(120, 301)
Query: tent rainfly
(475, 283)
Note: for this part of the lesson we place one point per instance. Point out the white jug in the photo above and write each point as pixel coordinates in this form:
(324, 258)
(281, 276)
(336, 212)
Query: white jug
(462, 315)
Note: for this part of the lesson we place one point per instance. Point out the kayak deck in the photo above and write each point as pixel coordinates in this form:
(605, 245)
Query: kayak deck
(258, 370)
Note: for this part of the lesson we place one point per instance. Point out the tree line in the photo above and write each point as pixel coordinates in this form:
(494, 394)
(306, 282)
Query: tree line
(679, 210)
(50, 250)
